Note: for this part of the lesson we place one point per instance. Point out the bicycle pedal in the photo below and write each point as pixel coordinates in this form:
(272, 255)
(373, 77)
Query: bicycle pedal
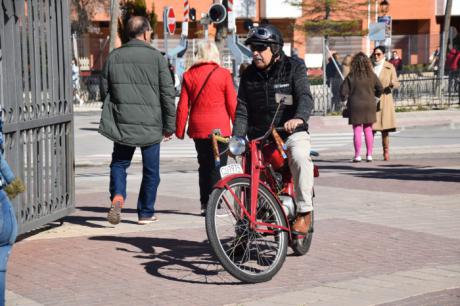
(299, 235)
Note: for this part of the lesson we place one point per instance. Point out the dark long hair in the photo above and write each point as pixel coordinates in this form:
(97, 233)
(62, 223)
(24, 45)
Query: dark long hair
(381, 48)
(361, 66)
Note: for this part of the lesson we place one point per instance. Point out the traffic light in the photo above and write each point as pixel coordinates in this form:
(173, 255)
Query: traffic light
(192, 14)
(217, 13)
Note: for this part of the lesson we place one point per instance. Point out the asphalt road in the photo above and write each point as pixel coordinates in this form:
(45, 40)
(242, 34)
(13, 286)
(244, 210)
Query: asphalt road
(93, 149)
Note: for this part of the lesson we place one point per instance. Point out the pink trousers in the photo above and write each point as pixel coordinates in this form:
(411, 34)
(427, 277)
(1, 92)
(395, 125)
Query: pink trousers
(368, 136)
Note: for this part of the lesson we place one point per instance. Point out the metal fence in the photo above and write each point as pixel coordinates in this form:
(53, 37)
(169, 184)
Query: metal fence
(91, 63)
(35, 92)
(417, 90)
(413, 49)
(91, 52)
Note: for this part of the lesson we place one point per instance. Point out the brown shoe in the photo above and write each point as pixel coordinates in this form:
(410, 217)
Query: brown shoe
(302, 223)
(115, 209)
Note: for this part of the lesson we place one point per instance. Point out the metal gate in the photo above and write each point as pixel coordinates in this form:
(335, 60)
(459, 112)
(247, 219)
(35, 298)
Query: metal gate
(36, 95)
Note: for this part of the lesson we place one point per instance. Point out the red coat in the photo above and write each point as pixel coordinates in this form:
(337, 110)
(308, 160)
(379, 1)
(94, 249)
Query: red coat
(451, 59)
(456, 62)
(397, 62)
(215, 106)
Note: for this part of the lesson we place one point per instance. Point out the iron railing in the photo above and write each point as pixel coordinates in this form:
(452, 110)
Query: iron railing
(35, 78)
(417, 90)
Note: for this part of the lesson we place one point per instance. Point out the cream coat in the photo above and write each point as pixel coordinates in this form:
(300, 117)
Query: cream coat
(386, 116)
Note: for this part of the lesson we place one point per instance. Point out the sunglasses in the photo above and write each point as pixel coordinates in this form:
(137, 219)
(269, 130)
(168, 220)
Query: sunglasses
(258, 48)
(378, 54)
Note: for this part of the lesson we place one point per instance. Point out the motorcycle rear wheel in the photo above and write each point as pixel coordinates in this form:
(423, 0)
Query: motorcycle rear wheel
(248, 255)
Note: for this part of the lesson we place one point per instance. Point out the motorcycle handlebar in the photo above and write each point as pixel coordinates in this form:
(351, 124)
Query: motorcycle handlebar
(215, 149)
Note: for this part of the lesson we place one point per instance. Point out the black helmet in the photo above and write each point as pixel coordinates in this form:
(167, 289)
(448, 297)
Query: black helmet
(266, 34)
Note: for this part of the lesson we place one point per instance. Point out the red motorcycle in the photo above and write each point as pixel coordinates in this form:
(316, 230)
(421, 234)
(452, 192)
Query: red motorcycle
(251, 210)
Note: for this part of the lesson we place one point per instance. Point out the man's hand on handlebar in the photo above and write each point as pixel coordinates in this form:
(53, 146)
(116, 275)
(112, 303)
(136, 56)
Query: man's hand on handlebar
(292, 124)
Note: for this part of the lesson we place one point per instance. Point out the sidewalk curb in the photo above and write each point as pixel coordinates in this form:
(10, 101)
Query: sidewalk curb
(452, 124)
(329, 153)
(87, 107)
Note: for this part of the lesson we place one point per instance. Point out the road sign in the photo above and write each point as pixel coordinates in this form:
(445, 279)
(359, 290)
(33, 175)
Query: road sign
(377, 31)
(169, 20)
(386, 20)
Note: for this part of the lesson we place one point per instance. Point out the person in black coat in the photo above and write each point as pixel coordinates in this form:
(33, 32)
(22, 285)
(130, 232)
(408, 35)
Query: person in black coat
(334, 79)
(271, 78)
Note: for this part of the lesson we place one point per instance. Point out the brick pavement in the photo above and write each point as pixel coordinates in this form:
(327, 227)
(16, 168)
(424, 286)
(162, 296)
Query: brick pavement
(170, 266)
(371, 245)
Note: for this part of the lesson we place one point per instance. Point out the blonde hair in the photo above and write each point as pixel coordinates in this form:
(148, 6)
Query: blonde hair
(347, 60)
(207, 52)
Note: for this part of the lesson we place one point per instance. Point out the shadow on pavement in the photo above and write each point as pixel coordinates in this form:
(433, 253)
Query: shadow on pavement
(176, 259)
(104, 210)
(395, 172)
(43, 228)
(86, 221)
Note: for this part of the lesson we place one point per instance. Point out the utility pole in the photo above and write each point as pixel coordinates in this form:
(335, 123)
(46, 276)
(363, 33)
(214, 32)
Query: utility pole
(368, 40)
(444, 37)
(115, 12)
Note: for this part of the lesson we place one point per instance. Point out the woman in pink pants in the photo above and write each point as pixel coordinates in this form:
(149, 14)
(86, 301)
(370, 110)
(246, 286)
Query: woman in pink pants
(361, 88)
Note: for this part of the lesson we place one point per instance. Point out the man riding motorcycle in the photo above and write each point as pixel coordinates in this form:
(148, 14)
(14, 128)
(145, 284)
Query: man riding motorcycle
(274, 78)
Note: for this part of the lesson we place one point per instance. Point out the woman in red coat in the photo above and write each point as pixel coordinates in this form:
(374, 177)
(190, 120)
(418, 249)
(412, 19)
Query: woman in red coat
(209, 97)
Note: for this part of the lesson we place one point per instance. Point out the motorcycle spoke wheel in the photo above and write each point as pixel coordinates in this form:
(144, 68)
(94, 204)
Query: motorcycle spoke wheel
(249, 255)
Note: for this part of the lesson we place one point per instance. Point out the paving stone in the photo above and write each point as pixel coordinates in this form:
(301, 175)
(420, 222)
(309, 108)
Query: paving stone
(364, 250)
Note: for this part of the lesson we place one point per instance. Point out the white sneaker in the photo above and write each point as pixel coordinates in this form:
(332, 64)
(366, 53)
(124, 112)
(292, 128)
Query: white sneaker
(356, 159)
(144, 221)
(369, 158)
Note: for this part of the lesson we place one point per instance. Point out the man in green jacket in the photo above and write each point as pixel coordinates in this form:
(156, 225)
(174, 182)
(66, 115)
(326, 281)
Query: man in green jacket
(138, 111)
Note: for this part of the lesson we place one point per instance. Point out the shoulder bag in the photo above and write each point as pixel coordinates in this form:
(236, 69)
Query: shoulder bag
(202, 87)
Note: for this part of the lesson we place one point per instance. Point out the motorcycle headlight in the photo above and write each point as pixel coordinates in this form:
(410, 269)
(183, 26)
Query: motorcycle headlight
(237, 145)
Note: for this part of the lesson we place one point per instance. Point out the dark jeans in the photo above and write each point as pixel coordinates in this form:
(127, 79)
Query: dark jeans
(335, 89)
(208, 172)
(121, 159)
(8, 232)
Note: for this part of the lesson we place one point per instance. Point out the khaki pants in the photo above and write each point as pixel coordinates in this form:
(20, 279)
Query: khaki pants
(301, 166)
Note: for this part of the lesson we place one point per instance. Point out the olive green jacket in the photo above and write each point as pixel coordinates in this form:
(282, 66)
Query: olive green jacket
(138, 96)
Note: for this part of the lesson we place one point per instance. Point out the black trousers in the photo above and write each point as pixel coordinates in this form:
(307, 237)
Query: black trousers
(207, 171)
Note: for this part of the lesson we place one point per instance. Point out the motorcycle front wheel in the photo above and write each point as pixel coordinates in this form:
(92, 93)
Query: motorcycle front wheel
(250, 255)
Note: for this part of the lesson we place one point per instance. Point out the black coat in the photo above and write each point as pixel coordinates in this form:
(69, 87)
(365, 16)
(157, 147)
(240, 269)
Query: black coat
(256, 97)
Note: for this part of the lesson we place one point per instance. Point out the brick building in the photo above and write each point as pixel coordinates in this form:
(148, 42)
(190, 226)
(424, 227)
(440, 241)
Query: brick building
(410, 17)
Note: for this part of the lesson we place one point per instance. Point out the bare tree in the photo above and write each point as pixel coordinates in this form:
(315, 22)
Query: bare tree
(332, 17)
(135, 8)
(82, 12)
